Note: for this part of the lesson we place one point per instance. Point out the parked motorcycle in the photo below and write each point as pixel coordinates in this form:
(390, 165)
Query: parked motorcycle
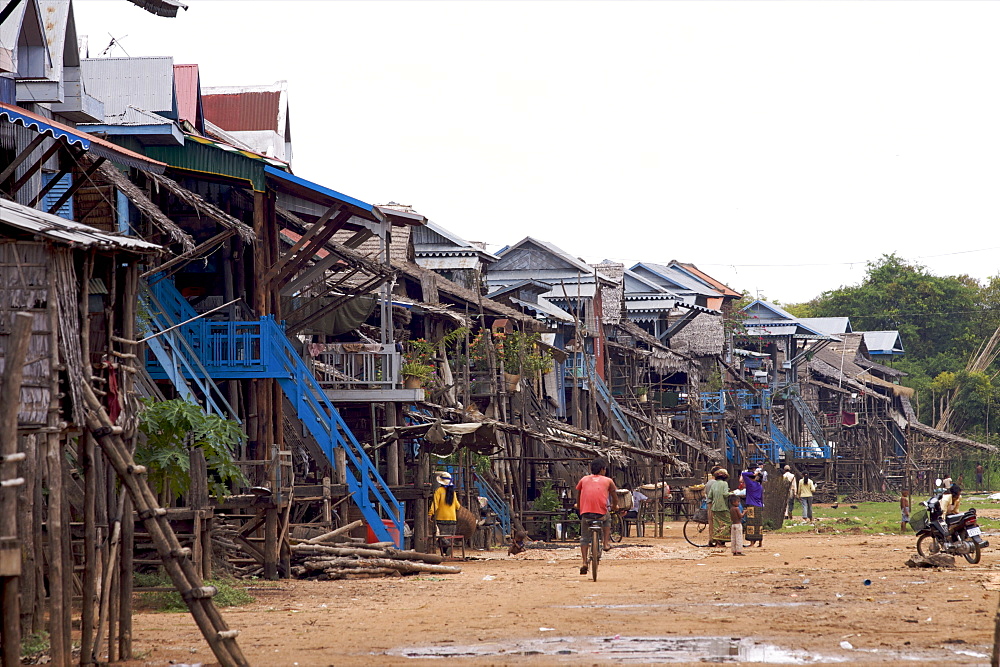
(962, 538)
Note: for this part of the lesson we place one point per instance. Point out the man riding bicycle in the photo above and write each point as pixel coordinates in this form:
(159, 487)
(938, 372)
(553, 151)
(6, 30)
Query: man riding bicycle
(595, 493)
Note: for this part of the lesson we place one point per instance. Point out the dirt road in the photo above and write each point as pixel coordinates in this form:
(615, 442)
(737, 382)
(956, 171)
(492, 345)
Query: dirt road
(801, 598)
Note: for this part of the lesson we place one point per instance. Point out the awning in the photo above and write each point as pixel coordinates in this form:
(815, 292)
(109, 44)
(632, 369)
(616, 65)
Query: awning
(58, 230)
(74, 137)
(299, 188)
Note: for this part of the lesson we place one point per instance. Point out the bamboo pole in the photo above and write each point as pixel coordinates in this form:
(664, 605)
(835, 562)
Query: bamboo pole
(175, 559)
(58, 631)
(86, 444)
(10, 547)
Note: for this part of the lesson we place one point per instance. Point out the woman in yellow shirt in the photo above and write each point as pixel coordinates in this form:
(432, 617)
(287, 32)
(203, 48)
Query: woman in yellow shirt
(444, 510)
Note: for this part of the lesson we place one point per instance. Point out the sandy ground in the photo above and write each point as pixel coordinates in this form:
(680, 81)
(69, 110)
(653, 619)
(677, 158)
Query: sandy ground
(800, 598)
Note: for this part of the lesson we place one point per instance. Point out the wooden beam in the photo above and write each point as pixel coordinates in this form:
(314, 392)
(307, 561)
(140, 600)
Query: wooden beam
(55, 179)
(298, 245)
(22, 156)
(29, 172)
(315, 244)
(191, 254)
(77, 184)
(678, 325)
(359, 237)
(310, 276)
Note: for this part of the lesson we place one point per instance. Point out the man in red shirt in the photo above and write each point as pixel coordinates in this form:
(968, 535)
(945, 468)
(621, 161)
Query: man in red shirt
(594, 494)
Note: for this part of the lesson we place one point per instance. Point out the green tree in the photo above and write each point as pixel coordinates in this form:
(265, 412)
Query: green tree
(933, 314)
(173, 428)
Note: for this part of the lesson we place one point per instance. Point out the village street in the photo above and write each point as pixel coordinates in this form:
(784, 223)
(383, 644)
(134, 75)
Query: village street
(801, 598)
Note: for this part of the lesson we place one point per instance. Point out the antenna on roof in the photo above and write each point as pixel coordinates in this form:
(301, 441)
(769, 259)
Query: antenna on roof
(115, 41)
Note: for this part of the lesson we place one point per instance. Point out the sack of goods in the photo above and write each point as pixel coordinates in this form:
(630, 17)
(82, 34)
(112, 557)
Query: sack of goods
(625, 501)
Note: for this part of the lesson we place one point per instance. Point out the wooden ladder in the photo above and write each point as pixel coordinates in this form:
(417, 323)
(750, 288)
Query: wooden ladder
(176, 560)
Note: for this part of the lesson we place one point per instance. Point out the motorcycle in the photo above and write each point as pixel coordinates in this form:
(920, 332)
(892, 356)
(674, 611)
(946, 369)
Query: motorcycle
(961, 537)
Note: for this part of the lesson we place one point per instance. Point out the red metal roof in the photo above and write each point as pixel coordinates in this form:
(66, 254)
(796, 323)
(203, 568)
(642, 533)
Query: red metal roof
(187, 86)
(244, 111)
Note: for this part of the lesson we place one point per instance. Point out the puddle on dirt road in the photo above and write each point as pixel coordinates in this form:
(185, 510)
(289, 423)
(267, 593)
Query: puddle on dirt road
(629, 650)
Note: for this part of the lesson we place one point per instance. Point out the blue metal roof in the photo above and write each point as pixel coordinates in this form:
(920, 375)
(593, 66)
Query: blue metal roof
(282, 181)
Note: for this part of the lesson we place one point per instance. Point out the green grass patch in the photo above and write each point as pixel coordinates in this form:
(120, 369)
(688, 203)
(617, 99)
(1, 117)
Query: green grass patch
(231, 593)
(34, 644)
(874, 518)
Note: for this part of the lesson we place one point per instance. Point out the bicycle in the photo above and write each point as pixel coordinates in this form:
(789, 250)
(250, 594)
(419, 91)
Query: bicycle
(698, 529)
(617, 526)
(596, 528)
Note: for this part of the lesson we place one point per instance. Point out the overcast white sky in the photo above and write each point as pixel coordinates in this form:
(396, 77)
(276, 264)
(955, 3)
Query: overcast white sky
(777, 145)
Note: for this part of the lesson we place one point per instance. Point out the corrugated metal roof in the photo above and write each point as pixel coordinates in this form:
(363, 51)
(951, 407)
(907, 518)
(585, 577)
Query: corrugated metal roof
(883, 342)
(451, 262)
(546, 309)
(245, 108)
(683, 281)
(575, 263)
(143, 83)
(187, 86)
(58, 230)
(724, 289)
(283, 182)
(828, 325)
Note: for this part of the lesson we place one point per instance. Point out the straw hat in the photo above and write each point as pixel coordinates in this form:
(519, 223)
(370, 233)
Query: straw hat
(443, 478)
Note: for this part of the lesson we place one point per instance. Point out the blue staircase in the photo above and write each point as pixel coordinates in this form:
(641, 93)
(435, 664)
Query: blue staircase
(173, 352)
(236, 350)
(496, 504)
(619, 420)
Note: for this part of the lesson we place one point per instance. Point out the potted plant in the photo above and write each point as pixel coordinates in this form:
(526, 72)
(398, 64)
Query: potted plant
(642, 393)
(521, 355)
(418, 366)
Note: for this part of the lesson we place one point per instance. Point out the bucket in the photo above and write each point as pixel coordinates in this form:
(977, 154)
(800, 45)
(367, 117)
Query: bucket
(390, 526)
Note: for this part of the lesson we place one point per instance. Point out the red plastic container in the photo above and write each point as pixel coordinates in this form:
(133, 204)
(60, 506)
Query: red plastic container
(390, 526)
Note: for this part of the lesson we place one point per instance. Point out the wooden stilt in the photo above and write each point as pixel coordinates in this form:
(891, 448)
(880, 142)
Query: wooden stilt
(87, 448)
(10, 546)
(176, 560)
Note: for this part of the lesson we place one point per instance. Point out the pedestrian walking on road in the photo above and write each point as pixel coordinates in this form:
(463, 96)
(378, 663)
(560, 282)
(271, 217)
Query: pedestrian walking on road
(754, 511)
(904, 510)
(718, 505)
(806, 489)
(444, 510)
(979, 477)
(790, 477)
(736, 532)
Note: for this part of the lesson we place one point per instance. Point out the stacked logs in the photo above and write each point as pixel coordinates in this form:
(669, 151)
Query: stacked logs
(317, 561)
(314, 560)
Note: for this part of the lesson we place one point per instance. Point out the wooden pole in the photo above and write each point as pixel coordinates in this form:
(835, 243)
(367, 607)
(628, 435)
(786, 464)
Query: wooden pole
(10, 546)
(86, 444)
(392, 458)
(58, 631)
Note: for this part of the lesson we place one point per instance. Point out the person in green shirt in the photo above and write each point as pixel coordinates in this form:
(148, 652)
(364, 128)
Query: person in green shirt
(718, 505)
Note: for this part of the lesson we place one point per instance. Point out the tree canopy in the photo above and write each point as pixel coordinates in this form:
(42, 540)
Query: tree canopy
(943, 322)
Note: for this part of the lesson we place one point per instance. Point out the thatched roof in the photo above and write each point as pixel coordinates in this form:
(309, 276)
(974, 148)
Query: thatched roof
(139, 199)
(935, 434)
